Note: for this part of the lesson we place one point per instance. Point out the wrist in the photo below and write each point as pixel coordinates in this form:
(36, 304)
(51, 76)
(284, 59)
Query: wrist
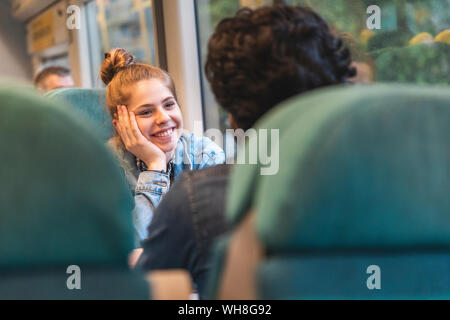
(156, 165)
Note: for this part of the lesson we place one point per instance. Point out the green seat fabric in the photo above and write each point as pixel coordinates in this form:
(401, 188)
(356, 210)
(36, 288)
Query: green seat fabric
(101, 284)
(63, 202)
(363, 171)
(411, 276)
(90, 103)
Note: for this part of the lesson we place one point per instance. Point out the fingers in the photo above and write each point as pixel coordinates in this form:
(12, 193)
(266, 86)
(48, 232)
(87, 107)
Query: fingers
(135, 142)
(128, 128)
(118, 123)
(134, 127)
(123, 124)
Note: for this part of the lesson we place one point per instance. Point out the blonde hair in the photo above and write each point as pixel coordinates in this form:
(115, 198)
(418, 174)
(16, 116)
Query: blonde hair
(119, 71)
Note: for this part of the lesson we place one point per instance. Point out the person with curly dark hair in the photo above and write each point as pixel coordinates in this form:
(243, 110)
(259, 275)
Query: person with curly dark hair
(259, 58)
(256, 60)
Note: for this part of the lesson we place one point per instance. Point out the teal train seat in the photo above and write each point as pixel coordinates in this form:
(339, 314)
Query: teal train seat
(90, 103)
(360, 205)
(63, 205)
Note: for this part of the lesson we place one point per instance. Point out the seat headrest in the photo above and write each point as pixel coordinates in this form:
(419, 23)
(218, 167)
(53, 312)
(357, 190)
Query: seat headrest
(63, 199)
(90, 103)
(360, 168)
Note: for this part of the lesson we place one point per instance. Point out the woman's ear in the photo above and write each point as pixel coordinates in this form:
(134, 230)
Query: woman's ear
(233, 124)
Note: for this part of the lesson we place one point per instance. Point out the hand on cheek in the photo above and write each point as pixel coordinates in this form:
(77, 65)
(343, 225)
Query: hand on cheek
(135, 142)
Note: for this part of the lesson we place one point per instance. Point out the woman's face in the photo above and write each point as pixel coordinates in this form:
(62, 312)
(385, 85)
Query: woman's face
(158, 115)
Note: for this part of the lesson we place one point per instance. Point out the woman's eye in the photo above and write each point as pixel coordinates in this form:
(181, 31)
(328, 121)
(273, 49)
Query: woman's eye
(145, 113)
(169, 105)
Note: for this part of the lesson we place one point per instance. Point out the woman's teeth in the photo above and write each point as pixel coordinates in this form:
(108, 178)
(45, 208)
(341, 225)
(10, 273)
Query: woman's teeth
(164, 134)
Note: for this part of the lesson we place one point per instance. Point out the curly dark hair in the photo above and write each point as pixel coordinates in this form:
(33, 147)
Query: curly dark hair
(259, 58)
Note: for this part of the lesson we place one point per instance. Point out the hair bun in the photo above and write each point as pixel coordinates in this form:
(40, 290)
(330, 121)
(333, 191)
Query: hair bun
(115, 61)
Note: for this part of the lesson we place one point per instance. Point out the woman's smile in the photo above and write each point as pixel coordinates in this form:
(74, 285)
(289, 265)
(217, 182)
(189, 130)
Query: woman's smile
(164, 136)
(158, 115)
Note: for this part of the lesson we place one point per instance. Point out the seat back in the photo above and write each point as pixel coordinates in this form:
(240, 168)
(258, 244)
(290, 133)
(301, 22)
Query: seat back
(90, 104)
(63, 202)
(364, 179)
(404, 276)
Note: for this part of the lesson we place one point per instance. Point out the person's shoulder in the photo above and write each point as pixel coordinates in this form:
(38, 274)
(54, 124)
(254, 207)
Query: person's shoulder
(116, 146)
(191, 187)
(118, 149)
(203, 147)
(125, 158)
(213, 172)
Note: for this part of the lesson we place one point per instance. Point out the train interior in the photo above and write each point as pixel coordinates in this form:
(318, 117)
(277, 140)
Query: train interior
(352, 183)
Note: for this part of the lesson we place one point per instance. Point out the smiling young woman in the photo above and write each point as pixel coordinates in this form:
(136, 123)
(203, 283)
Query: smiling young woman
(150, 145)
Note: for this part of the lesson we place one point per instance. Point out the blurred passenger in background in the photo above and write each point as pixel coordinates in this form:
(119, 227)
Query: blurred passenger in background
(54, 77)
(256, 59)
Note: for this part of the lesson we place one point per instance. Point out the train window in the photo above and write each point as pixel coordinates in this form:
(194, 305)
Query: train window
(393, 40)
(406, 41)
(120, 23)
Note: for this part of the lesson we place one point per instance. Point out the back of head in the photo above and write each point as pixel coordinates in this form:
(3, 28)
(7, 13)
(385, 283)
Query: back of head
(53, 77)
(63, 201)
(120, 71)
(261, 57)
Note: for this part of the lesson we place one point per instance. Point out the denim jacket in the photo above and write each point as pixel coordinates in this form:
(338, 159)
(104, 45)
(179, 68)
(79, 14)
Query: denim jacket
(148, 187)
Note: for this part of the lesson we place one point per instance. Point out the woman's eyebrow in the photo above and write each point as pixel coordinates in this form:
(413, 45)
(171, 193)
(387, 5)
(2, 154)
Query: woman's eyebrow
(168, 98)
(143, 106)
(148, 105)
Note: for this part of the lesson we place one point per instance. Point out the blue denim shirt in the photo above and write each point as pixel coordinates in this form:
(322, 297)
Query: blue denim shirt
(148, 187)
